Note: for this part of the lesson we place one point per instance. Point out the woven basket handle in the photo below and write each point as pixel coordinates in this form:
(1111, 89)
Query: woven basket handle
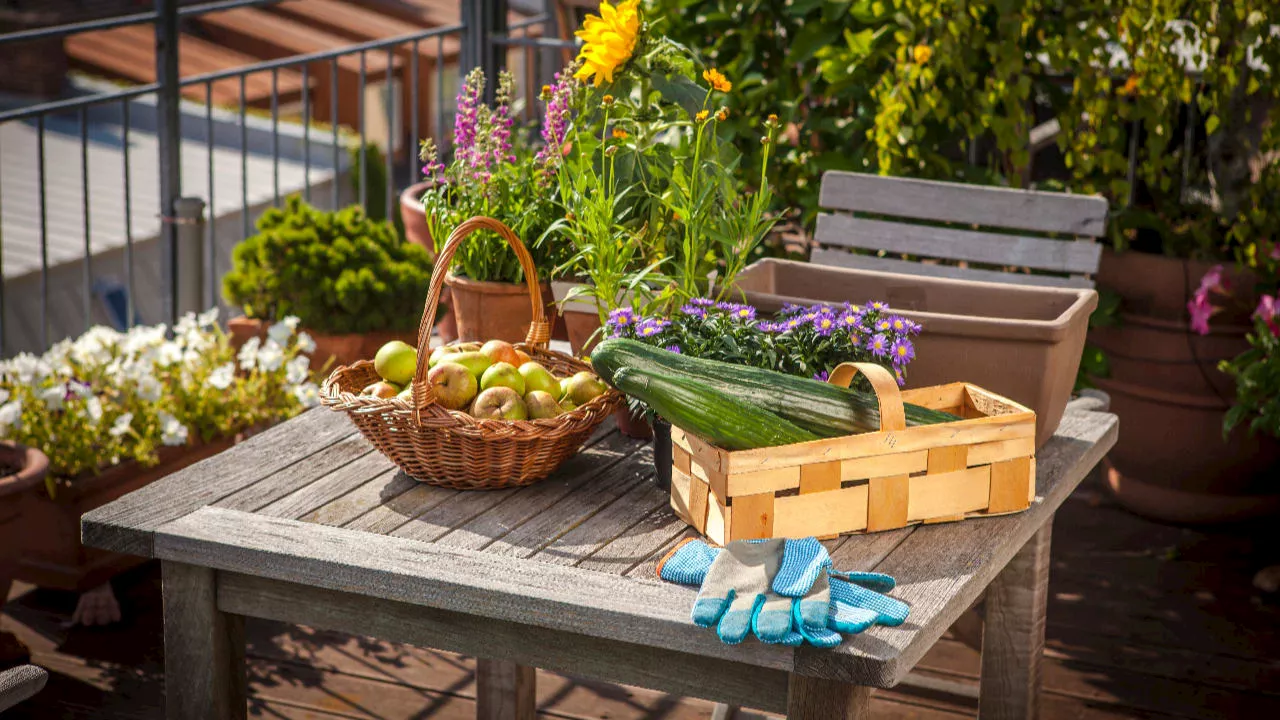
(539, 331)
(893, 416)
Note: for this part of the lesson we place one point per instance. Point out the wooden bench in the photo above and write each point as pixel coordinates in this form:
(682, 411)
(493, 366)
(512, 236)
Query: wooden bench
(968, 232)
(128, 53)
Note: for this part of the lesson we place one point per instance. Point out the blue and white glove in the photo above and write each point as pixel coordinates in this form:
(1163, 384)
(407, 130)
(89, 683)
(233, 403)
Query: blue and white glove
(746, 586)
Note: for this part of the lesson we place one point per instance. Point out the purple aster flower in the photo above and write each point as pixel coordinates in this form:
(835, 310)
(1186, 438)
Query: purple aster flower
(790, 309)
(899, 324)
(883, 325)
(693, 310)
(702, 302)
(742, 312)
(825, 323)
(878, 306)
(622, 317)
(850, 318)
(902, 351)
(673, 349)
(821, 376)
(878, 344)
(651, 327)
(897, 375)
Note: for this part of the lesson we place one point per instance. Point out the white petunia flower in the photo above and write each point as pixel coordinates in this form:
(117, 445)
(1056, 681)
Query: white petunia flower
(79, 389)
(186, 324)
(168, 354)
(93, 408)
(248, 355)
(308, 395)
(148, 388)
(279, 333)
(208, 317)
(271, 356)
(28, 369)
(54, 397)
(295, 373)
(172, 432)
(121, 426)
(306, 343)
(10, 416)
(221, 377)
(4, 396)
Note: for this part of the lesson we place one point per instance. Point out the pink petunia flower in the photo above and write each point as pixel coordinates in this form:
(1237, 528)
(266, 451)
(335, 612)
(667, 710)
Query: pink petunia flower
(1214, 281)
(1267, 309)
(1200, 310)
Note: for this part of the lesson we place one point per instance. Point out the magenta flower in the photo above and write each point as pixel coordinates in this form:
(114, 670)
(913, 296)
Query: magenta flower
(1267, 309)
(1200, 310)
(1214, 281)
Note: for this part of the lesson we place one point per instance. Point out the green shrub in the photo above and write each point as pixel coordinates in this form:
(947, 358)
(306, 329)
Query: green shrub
(339, 272)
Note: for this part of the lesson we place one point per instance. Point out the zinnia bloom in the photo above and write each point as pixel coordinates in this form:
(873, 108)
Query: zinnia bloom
(717, 80)
(609, 39)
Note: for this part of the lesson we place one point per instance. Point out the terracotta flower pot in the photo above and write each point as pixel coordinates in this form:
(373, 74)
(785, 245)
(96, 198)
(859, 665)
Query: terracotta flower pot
(495, 310)
(340, 349)
(16, 489)
(581, 321)
(55, 558)
(633, 425)
(1172, 462)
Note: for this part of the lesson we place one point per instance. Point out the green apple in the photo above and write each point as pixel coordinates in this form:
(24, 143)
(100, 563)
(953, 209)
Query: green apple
(567, 405)
(396, 362)
(472, 360)
(502, 374)
(582, 387)
(382, 389)
(541, 404)
(454, 385)
(406, 394)
(499, 403)
(537, 377)
(438, 355)
(564, 389)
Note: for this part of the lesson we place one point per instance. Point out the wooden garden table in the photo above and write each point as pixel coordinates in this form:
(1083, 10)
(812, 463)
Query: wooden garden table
(305, 523)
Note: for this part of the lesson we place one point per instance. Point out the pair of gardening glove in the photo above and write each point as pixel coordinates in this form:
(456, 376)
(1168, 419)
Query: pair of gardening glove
(784, 591)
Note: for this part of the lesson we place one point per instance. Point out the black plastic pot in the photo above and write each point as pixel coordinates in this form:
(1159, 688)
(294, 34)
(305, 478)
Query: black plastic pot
(662, 453)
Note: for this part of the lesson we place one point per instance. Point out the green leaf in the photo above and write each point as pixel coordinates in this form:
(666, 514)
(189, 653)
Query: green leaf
(1211, 124)
(682, 91)
(812, 38)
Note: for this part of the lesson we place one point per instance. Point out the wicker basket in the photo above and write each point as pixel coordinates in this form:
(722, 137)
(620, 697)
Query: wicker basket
(453, 449)
(983, 464)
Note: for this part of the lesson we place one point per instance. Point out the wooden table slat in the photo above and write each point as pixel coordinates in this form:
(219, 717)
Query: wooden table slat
(279, 484)
(342, 510)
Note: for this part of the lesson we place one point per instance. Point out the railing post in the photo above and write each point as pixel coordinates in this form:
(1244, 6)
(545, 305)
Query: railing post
(483, 20)
(189, 229)
(169, 136)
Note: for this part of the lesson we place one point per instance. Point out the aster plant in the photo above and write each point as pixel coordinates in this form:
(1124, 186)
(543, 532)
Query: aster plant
(112, 397)
(491, 173)
(807, 341)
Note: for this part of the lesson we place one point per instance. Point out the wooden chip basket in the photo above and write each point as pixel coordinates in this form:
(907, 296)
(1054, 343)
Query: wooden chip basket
(981, 465)
(453, 449)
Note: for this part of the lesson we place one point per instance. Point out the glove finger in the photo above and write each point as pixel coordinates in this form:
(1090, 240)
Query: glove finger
(888, 610)
(814, 608)
(790, 639)
(707, 609)
(850, 619)
(878, 582)
(772, 621)
(802, 562)
(688, 562)
(820, 636)
(736, 622)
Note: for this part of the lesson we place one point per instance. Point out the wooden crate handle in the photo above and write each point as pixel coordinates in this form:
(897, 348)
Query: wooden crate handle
(893, 416)
(539, 330)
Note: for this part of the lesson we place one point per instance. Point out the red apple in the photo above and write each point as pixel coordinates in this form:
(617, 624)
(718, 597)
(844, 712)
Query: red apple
(501, 351)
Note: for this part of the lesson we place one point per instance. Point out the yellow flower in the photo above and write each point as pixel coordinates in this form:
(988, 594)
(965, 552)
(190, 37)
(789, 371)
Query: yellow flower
(609, 39)
(702, 116)
(722, 114)
(717, 79)
(921, 54)
(619, 134)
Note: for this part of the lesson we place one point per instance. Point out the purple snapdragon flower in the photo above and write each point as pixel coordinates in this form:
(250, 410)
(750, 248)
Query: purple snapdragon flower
(555, 121)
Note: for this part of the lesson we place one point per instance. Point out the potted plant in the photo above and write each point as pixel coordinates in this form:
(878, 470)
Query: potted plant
(115, 411)
(22, 469)
(492, 174)
(348, 279)
(655, 210)
(806, 341)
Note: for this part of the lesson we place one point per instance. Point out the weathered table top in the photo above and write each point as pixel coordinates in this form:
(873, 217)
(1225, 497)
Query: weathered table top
(567, 560)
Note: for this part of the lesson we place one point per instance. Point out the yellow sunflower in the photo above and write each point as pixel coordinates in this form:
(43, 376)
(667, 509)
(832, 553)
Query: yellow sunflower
(609, 39)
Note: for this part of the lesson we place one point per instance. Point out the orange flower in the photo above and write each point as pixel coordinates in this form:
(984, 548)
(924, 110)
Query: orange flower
(619, 134)
(1130, 86)
(722, 114)
(717, 80)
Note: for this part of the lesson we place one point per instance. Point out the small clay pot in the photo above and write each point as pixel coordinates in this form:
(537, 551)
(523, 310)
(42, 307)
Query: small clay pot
(633, 425)
(495, 310)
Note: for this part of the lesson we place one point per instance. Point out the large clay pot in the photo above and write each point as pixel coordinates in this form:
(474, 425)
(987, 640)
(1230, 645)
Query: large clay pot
(54, 557)
(581, 320)
(336, 350)
(414, 218)
(16, 489)
(495, 310)
(1172, 462)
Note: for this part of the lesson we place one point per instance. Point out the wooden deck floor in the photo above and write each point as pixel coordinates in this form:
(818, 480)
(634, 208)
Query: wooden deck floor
(1144, 621)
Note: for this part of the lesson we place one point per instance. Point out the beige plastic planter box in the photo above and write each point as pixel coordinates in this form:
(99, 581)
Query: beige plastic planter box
(1018, 341)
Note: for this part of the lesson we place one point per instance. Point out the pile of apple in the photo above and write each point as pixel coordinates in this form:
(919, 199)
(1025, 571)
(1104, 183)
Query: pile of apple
(495, 380)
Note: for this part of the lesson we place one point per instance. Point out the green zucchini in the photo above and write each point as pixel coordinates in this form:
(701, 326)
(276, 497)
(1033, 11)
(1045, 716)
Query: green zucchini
(819, 407)
(714, 416)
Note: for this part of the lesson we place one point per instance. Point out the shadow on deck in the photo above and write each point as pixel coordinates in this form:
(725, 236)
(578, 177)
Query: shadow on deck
(1145, 620)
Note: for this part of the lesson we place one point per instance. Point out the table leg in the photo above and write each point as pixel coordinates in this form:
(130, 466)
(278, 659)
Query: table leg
(505, 690)
(203, 648)
(814, 699)
(1013, 634)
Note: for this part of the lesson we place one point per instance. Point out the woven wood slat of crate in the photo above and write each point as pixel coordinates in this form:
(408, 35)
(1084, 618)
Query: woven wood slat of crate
(980, 465)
